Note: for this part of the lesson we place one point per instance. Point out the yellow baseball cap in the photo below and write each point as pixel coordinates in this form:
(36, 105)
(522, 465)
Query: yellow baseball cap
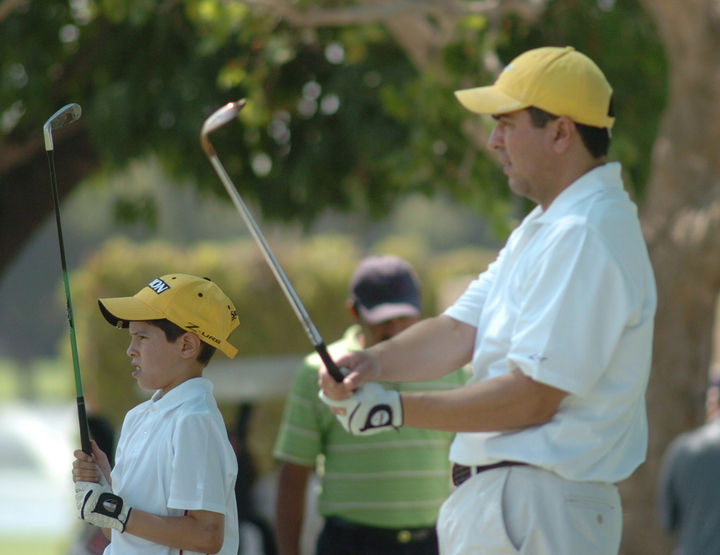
(195, 304)
(558, 80)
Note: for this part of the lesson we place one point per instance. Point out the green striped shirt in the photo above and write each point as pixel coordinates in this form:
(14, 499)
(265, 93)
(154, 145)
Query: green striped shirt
(391, 480)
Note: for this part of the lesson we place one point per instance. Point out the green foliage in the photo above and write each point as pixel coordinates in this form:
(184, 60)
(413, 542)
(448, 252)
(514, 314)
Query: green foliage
(337, 117)
(43, 380)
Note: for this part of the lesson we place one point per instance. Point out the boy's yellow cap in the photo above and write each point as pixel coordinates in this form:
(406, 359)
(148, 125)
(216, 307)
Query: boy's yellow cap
(195, 304)
(560, 81)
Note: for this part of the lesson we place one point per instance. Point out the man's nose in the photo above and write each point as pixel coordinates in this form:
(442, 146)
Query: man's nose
(495, 139)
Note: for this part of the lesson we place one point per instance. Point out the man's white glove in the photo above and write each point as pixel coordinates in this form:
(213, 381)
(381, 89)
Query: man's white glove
(98, 505)
(372, 409)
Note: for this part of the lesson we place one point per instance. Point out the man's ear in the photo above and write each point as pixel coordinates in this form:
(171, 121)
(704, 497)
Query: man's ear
(565, 132)
(352, 310)
(190, 345)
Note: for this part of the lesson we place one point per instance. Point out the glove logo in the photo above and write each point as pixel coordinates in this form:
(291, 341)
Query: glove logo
(378, 417)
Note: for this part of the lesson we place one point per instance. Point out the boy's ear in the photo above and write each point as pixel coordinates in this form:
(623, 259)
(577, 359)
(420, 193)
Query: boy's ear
(190, 346)
(352, 310)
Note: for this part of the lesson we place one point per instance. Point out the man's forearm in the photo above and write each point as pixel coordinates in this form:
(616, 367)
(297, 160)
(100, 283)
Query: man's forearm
(504, 403)
(290, 506)
(425, 351)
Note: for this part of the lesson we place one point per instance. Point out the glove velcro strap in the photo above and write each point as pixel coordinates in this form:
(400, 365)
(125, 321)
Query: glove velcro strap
(380, 416)
(111, 505)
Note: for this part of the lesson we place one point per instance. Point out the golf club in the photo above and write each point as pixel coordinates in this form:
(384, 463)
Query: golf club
(64, 116)
(217, 119)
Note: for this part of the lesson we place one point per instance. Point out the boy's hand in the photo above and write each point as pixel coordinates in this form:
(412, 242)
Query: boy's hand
(370, 410)
(97, 505)
(95, 468)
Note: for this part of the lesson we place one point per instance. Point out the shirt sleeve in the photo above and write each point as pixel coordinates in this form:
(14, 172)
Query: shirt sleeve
(299, 437)
(201, 477)
(468, 307)
(575, 304)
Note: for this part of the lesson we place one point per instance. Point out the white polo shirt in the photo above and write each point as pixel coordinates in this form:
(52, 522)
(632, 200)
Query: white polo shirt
(174, 455)
(570, 301)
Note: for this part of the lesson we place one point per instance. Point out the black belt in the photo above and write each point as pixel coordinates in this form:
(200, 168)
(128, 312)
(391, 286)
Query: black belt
(396, 535)
(460, 472)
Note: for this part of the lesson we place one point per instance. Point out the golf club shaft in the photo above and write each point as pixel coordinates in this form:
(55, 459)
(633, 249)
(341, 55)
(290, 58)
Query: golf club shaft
(82, 415)
(282, 279)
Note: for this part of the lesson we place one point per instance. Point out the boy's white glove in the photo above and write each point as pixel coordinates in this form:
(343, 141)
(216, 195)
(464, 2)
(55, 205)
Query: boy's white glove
(98, 505)
(372, 409)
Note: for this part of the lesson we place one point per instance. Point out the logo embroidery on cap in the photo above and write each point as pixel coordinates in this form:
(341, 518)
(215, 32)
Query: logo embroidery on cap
(196, 329)
(158, 285)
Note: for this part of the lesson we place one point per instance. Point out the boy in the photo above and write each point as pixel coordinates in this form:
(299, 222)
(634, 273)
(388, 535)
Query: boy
(173, 482)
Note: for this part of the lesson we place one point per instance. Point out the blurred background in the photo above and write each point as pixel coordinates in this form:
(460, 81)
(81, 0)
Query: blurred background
(351, 143)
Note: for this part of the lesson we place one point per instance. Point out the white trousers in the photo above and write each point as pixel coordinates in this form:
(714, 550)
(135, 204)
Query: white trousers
(524, 509)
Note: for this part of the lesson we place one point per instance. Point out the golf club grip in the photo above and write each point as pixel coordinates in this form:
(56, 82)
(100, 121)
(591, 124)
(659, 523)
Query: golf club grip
(84, 429)
(329, 362)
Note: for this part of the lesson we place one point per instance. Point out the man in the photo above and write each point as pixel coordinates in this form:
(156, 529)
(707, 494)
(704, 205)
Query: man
(689, 483)
(380, 495)
(558, 330)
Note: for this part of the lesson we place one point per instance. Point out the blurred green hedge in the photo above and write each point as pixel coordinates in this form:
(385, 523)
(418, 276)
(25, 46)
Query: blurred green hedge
(319, 269)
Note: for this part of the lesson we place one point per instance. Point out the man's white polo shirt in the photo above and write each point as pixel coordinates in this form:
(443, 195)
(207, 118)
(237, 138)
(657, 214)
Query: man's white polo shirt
(570, 301)
(174, 455)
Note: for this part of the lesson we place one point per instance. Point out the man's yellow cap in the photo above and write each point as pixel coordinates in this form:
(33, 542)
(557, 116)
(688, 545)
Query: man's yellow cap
(560, 81)
(195, 304)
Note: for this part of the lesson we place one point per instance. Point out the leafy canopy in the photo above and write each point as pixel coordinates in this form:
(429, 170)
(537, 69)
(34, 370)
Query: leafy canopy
(337, 116)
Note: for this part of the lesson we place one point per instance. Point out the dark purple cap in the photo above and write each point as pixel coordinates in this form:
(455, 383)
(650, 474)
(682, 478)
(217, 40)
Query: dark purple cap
(385, 287)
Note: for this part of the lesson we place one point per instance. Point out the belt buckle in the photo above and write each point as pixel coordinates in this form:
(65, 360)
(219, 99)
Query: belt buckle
(404, 536)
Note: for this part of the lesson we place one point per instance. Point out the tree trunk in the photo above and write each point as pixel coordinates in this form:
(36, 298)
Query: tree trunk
(681, 220)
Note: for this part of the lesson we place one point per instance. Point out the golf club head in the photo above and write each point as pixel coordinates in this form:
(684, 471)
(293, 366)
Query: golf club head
(64, 116)
(217, 119)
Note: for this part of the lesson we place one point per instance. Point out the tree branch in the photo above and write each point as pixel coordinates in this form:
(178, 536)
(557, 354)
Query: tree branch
(7, 6)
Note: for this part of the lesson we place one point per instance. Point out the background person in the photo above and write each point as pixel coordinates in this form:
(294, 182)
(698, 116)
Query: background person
(173, 482)
(381, 494)
(559, 331)
(689, 482)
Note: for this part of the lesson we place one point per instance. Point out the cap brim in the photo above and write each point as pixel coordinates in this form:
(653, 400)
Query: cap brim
(384, 312)
(120, 311)
(488, 100)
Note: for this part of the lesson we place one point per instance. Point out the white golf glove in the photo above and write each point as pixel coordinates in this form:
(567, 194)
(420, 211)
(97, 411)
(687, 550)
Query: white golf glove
(372, 409)
(98, 505)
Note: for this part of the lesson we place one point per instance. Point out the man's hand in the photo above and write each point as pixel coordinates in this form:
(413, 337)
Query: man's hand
(370, 410)
(98, 505)
(359, 367)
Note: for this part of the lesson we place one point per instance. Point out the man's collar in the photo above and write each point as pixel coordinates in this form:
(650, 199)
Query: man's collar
(606, 175)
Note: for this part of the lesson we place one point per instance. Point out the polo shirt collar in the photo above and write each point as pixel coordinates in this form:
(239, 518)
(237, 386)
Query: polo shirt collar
(193, 387)
(605, 176)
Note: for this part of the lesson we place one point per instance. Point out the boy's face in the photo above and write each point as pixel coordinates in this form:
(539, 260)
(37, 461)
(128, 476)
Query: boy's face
(155, 361)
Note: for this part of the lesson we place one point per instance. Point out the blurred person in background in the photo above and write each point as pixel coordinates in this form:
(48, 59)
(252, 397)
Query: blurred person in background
(689, 482)
(380, 494)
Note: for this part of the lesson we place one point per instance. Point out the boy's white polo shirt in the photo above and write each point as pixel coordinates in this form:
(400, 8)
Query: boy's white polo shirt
(570, 301)
(174, 455)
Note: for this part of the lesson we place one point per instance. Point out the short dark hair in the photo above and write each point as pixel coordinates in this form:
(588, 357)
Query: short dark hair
(595, 139)
(173, 332)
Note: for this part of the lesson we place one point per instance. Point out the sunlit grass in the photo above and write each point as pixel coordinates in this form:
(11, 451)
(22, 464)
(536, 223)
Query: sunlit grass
(34, 545)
